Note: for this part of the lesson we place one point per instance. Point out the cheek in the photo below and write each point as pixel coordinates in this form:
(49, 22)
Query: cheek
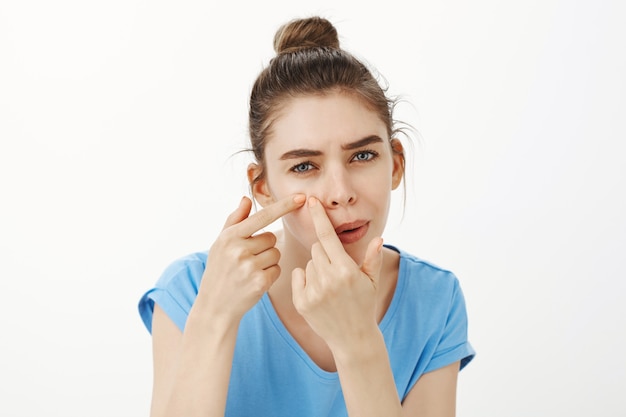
(300, 225)
(298, 222)
(281, 186)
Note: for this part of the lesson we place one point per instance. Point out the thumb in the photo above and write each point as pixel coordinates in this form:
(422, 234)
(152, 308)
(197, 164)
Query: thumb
(241, 213)
(373, 259)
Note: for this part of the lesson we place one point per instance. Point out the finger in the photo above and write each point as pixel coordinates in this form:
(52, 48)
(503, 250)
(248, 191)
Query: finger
(263, 280)
(258, 243)
(298, 283)
(318, 255)
(269, 215)
(310, 273)
(324, 229)
(267, 259)
(373, 260)
(239, 214)
(271, 275)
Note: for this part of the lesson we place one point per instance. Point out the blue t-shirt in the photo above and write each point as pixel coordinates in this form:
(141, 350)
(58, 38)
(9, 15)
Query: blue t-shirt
(424, 328)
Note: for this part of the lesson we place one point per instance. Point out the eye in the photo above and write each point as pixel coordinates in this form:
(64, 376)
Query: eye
(302, 167)
(363, 156)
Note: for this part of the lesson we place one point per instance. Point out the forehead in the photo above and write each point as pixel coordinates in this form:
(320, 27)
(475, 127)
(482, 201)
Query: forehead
(314, 121)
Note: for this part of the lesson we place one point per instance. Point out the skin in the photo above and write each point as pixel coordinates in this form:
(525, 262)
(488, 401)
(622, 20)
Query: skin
(330, 288)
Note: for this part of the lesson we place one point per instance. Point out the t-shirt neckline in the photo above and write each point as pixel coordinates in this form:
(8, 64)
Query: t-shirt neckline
(268, 307)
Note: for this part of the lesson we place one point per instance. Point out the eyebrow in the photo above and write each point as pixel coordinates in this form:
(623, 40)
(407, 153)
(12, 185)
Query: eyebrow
(302, 153)
(362, 142)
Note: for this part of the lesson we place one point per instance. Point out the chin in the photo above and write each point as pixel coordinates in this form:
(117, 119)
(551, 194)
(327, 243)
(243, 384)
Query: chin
(356, 251)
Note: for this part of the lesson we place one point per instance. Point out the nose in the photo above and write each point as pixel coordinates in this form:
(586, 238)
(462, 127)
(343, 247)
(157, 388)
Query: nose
(338, 190)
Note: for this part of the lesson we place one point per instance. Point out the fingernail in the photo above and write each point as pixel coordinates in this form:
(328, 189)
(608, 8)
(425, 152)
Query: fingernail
(312, 201)
(299, 199)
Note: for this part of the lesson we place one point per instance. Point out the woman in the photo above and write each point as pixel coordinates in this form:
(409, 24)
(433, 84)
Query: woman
(319, 319)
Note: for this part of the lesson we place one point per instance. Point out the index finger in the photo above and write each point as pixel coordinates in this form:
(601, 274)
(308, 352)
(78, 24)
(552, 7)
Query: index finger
(324, 228)
(269, 215)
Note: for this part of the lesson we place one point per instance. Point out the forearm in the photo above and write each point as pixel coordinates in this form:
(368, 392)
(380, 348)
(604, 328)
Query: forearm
(201, 383)
(366, 378)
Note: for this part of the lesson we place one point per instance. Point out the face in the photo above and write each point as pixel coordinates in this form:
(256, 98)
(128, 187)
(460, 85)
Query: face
(334, 148)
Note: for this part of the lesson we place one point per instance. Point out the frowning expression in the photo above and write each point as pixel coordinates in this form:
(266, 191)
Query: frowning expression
(336, 149)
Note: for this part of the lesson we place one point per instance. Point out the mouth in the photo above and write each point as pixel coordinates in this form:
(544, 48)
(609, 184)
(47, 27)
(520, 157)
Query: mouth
(352, 232)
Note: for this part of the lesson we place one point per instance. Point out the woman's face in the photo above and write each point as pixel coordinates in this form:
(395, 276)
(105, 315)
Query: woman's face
(333, 148)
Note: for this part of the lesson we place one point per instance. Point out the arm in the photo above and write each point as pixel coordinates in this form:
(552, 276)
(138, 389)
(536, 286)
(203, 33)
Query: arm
(337, 298)
(192, 368)
(369, 388)
(366, 379)
(434, 394)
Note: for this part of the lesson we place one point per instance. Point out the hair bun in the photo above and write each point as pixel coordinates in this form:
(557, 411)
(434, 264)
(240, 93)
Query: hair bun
(311, 32)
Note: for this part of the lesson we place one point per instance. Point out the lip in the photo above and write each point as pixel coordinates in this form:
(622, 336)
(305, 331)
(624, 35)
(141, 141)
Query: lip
(353, 231)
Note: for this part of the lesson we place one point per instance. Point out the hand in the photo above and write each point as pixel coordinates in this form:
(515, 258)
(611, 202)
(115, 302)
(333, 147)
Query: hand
(242, 266)
(334, 295)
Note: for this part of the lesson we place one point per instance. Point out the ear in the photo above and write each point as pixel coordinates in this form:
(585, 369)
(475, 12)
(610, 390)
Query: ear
(259, 188)
(398, 163)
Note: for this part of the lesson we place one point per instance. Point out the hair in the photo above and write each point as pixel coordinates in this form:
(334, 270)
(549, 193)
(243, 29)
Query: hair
(310, 61)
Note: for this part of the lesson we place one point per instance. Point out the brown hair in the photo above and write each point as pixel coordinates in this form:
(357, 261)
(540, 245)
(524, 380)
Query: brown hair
(310, 61)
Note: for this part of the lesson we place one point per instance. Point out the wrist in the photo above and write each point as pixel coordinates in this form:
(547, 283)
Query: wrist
(203, 319)
(360, 347)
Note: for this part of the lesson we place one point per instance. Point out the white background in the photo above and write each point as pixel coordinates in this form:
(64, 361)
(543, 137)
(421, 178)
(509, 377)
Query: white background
(118, 120)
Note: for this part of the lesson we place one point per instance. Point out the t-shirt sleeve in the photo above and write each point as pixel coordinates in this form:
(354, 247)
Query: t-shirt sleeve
(453, 345)
(175, 291)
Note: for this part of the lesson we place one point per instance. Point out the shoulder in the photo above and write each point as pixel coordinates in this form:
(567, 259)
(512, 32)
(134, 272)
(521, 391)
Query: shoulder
(425, 287)
(430, 303)
(176, 289)
(423, 272)
(186, 268)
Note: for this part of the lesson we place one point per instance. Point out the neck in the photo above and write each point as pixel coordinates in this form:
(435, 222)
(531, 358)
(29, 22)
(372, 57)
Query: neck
(292, 255)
